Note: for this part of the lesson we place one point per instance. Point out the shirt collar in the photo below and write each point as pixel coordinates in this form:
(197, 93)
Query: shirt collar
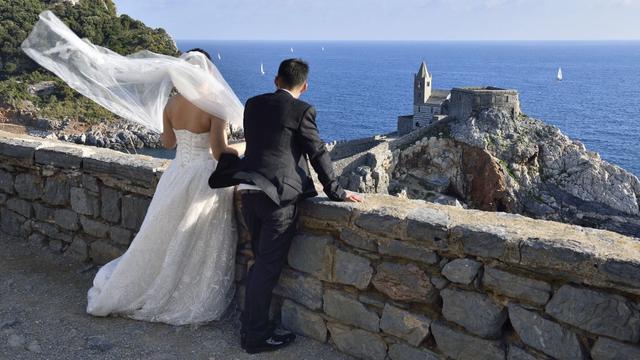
(290, 93)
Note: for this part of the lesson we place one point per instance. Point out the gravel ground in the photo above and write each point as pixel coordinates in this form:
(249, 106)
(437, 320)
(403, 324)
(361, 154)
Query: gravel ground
(42, 301)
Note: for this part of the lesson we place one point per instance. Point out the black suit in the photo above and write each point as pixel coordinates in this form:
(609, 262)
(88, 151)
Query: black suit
(281, 133)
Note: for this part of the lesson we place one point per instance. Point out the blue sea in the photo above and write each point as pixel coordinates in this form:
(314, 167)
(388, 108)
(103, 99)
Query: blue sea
(359, 88)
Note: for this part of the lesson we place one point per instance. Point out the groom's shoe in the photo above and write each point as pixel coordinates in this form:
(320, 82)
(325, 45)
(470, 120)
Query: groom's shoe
(272, 343)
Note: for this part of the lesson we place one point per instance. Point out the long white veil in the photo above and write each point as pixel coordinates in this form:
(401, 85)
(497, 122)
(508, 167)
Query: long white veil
(135, 87)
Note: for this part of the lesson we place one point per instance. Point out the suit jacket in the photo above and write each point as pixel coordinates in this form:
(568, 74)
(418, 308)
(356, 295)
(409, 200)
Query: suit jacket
(281, 132)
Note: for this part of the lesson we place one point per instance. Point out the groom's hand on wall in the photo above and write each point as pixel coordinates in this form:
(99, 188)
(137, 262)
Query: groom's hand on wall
(351, 197)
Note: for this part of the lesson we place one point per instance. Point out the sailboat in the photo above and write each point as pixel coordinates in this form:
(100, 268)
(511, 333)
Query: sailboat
(219, 57)
(291, 49)
(559, 76)
(262, 68)
(323, 48)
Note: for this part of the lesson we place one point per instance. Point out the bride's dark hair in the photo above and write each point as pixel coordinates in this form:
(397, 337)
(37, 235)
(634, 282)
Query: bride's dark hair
(202, 52)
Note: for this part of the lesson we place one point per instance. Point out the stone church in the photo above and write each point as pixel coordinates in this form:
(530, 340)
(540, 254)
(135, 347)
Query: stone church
(428, 104)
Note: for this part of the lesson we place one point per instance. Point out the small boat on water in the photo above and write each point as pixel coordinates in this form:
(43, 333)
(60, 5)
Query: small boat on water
(559, 76)
(323, 48)
(262, 68)
(219, 57)
(291, 49)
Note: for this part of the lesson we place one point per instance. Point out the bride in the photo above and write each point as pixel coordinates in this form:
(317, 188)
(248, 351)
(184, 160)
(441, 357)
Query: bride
(179, 268)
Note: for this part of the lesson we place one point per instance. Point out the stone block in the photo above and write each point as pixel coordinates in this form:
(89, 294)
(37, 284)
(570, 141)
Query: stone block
(474, 311)
(94, 228)
(430, 226)
(28, 186)
(349, 310)
(302, 321)
(20, 206)
(596, 312)
(90, 183)
(358, 343)
(134, 209)
(301, 288)
(404, 282)
(55, 245)
(65, 157)
(405, 250)
(622, 271)
(359, 241)
(350, 269)
(43, 213)
(405, 352)
(440, 282)
(373, 299)
(382, 221)
(137, 169)
(461, 271)
(413, 328)
(79, 248)
(607, 349)
(84, 202)
(545, 335)
(19, 149)
(517, 353)
(111, 202)
(56, 191)
(330, 211)
(102, 252)
(37, 240)
(6, 182)
(460, 346)
(482, 240)
(502, 282)
(66, 219)
(312, 255)
(120, 236)
(10, 222)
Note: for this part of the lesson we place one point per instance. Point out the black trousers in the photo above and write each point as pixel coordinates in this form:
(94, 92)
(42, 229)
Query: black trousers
(272, 228)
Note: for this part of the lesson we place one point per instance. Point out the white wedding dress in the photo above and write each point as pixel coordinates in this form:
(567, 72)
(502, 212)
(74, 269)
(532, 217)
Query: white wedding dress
(180, 267)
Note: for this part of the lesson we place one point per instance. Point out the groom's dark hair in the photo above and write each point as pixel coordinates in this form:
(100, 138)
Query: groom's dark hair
(293, 73)
(202, 52)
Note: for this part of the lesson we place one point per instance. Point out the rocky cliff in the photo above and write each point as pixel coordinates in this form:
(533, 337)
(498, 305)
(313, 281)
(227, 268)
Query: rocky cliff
(492, 161)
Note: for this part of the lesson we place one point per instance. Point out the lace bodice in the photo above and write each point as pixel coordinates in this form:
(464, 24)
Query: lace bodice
(192, 147)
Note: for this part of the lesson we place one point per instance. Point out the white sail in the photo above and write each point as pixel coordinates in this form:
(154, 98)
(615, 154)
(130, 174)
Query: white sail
(219, 57)
(559, 76)
(291, 49)
(262, 68)
(323, 48)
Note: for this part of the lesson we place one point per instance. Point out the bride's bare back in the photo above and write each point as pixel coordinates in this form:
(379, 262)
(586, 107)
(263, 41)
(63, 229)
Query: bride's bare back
(180, 114)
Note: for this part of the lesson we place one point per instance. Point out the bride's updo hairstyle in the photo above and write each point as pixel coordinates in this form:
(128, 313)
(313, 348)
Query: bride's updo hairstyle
(201, 51)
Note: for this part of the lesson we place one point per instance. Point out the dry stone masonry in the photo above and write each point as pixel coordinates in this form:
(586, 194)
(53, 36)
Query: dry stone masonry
(388, 279)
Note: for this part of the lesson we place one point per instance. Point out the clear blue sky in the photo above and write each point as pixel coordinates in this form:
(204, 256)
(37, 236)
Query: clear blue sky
(390, 19)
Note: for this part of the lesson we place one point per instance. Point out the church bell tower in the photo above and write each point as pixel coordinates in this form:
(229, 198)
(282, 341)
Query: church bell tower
(421, 87)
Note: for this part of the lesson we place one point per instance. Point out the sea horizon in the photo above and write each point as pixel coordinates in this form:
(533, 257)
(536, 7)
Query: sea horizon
(360, 87)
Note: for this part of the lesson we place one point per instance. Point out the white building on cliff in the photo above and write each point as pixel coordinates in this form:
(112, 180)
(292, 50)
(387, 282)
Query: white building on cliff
(427, 103)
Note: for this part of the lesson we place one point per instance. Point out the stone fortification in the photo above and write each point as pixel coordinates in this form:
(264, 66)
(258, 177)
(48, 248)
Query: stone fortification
(470, 101)
(389, 278)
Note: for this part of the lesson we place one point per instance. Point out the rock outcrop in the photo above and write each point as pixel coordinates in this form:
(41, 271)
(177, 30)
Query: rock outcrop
(493, 161)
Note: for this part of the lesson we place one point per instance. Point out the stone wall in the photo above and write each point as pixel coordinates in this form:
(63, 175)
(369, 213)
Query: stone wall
(468, 101)
(389, 278)
(82, 201)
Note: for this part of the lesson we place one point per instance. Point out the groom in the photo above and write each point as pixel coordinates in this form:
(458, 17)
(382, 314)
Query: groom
(280, 132)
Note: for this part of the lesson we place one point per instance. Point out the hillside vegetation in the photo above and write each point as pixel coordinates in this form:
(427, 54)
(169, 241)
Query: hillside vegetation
(30, 90)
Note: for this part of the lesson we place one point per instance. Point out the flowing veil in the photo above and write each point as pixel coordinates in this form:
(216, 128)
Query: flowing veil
(135, 87)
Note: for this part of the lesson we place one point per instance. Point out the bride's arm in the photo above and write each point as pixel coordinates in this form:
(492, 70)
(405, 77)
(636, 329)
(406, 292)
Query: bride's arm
(168, 136)
(218, 138)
